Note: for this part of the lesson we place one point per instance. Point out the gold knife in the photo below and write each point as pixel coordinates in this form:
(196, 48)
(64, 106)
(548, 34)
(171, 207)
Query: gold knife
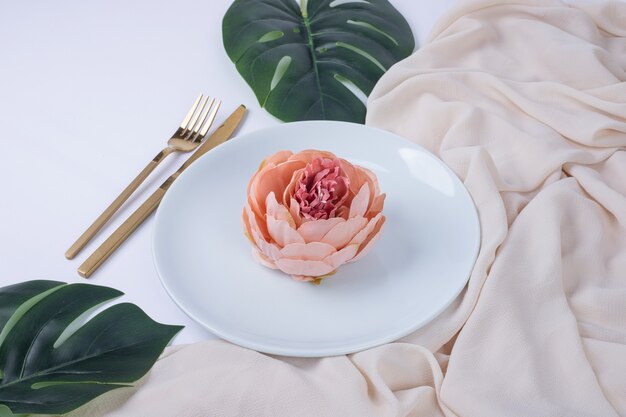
(221, 135)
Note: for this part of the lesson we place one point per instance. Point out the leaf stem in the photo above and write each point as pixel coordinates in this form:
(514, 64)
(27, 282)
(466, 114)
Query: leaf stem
(304, 8)
(309, 34)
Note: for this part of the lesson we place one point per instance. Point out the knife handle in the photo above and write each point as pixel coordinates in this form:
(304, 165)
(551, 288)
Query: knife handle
(116, 204)
(121, 234)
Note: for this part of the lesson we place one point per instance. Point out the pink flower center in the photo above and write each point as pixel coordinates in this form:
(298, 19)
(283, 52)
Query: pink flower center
(322, 189)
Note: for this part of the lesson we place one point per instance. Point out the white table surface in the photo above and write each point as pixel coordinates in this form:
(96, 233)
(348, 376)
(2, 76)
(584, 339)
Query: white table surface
(89, 93)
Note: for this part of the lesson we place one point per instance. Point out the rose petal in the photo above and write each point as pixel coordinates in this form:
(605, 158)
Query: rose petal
(254, 205)
(377, 205)
(367, 245)
(294, 210)
(291, 188)
(302, 278)
(309, 155)
(343, 256)
(342, 190)
(256, 223)
(360, 202)
(260, 258)
(281, 232)
(246, 226)
(309, 279)
(314, 251)
(304, 268)
(278, 158)
(314, 230)
(360, 237)
(343, 232)
(274, 179)
(270, 250)
(343, 212)
(278, 211)
(373, 180)
(357, 178)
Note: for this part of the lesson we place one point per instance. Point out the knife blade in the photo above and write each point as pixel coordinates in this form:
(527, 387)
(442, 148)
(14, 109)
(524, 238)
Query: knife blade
(221, 135)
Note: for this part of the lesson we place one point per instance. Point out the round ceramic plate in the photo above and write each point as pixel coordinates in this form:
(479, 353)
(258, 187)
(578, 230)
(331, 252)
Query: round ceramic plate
(419, 264)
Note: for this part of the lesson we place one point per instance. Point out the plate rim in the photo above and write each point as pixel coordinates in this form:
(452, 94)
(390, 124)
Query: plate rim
(321, 352)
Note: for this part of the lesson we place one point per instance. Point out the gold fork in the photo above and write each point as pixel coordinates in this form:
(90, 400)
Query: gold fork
(186, 138)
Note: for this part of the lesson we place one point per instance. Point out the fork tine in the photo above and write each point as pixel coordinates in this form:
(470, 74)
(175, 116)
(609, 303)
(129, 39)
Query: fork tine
(209, 121)
(203, 115)
(194, 120)
(192, 110)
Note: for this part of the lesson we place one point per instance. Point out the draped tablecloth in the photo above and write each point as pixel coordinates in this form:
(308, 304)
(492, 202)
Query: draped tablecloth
(526, 102)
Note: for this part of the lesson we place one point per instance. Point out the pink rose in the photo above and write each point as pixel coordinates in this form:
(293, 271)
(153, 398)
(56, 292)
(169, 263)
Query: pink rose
(309, 213)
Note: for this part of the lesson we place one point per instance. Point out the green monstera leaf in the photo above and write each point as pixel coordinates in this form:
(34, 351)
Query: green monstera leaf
(51, 362)
(316, 60)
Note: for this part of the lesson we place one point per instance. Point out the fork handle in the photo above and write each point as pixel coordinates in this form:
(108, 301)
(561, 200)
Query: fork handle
(116, 204)
(119, 236)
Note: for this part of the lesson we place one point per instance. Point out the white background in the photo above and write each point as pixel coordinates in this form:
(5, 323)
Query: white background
(90, 91)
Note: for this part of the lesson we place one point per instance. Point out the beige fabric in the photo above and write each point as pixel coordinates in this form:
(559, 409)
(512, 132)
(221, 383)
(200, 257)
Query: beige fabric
(526, 102)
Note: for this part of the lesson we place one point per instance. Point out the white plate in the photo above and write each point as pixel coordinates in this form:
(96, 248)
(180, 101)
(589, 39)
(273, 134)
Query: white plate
(417, 267)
